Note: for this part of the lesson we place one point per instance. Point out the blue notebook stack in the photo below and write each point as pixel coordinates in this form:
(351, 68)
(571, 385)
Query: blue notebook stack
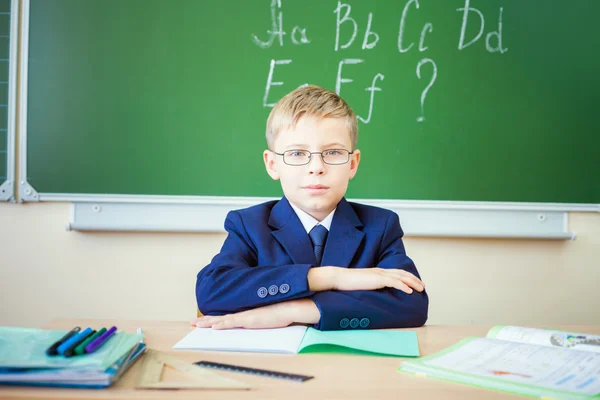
(24, 359)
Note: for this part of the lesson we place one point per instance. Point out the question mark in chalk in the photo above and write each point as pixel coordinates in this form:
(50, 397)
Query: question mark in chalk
(424, 94)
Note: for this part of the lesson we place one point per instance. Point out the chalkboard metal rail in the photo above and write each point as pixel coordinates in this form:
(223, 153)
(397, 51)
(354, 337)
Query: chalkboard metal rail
(418, 218)
(7, 186)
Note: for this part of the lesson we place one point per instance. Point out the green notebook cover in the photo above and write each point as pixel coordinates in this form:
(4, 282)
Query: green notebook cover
(373, 342)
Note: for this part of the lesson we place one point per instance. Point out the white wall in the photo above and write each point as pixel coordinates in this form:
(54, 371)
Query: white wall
(47, 272)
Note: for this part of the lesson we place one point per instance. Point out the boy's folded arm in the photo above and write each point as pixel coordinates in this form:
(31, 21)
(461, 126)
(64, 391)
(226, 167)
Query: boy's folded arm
(371, 309)
(231, 288)
(233, 281)
(374, 309)
(382, 308)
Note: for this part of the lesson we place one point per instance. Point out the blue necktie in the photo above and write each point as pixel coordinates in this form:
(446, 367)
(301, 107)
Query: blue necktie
(318, 235)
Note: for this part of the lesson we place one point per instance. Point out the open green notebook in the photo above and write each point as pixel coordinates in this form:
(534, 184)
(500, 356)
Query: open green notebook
(300, 339)
(534, 362)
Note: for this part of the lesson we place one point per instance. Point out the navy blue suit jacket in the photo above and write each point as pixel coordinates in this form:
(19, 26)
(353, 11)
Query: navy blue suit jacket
(267, 255)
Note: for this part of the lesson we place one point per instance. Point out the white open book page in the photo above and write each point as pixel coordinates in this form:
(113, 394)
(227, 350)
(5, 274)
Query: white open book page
(553, 368)
(544, 337)
(277, 340)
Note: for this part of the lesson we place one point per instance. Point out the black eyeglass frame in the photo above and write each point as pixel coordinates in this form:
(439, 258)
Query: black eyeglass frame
(310, 153)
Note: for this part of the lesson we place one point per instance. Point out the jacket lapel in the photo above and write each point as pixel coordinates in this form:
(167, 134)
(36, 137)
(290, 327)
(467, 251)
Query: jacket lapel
(344, 238)
(290, 233)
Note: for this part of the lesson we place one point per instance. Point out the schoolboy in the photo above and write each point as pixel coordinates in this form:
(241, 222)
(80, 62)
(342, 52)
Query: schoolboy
(312, 257)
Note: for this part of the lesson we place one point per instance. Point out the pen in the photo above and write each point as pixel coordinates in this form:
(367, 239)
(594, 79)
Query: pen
(52, 349)
(100, 340)
(73, 339)
(80, 349)
(70, 352)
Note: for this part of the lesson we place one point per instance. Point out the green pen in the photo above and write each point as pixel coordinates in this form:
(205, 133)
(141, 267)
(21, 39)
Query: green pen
(81, 348)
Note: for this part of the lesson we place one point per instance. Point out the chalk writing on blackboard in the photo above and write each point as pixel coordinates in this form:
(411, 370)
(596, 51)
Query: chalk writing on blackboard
(343, 15)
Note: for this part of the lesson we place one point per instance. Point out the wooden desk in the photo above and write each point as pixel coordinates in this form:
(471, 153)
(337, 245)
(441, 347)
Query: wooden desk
(336, 376)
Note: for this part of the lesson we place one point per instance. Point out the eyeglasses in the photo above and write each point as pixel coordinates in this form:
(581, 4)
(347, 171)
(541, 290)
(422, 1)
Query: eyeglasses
(302, 157)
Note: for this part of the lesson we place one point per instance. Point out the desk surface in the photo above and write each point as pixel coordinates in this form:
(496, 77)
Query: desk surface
(336, 376)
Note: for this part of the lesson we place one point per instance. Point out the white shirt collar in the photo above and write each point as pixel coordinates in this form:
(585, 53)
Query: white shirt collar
(308, 222)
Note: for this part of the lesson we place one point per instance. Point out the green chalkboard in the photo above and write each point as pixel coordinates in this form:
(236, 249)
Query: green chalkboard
(4, 83)
(149, 97)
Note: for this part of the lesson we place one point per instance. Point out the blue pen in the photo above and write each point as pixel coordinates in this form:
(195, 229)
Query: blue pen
(73, 339)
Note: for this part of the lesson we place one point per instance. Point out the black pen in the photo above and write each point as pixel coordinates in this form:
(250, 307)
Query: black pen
(52, 349)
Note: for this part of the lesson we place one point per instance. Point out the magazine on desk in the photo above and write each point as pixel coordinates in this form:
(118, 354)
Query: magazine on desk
(535, 362)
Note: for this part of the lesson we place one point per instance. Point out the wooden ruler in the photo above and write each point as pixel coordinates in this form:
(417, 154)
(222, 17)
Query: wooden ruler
(154, 362)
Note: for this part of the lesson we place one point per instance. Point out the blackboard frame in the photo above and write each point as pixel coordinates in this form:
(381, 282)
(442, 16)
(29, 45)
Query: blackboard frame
(423, 218)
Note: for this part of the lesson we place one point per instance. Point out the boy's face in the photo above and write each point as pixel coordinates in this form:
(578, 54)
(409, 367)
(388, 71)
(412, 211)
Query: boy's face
(316, 187)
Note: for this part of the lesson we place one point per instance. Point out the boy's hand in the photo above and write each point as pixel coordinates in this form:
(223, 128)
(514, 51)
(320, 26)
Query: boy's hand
(377, 278)
(273, 316)
(336, 278)
(252, 319)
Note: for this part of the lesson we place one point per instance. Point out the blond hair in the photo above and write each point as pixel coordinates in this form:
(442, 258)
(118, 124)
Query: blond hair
(309, 101)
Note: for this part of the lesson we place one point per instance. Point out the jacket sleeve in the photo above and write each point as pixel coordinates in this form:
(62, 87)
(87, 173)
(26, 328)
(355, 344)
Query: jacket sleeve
(233, 281)
(383, 308)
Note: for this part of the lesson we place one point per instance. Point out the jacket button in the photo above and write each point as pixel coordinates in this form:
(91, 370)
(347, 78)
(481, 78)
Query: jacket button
(262, 292)
(284, 288)
(354, 323)
(344, 322)
(364, 322)
(273, 290)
